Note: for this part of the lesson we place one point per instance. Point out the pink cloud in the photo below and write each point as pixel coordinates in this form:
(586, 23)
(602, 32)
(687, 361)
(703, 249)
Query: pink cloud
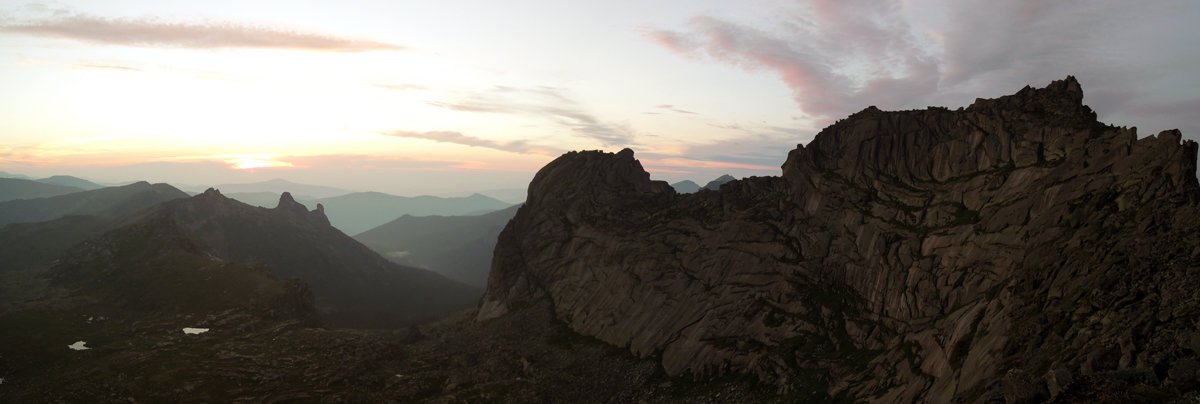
(811, 57)
(158, 34)
(546, 102)
(516, 146)
(111, 67)
(689, 163)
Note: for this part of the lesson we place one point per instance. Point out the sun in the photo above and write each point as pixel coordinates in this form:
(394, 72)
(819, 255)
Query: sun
(253, 162)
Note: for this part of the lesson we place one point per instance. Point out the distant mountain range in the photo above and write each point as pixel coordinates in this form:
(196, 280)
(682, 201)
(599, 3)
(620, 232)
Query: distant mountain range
(278, 186)
(111, 201)
(686, 187)
(510, 195)
(69, 181)
(357, 212)
(458, 247)
(354, 286)
(716, 184)
(14, 188)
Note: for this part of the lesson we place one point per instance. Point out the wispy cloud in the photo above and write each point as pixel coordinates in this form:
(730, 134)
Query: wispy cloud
(835, 59)
(401, 87)
(111, 67)
(545, 102)
(669, 107)
(153, 33)
(838, 57)
(679, 162)
(517, 146)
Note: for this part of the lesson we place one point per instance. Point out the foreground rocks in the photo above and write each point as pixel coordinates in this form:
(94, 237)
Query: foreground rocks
(1014, 250)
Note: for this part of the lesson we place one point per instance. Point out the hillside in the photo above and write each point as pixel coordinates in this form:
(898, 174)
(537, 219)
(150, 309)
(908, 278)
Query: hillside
(111, 201)
(69, 181)
(15, 188)
(354, 286)
(458, 247)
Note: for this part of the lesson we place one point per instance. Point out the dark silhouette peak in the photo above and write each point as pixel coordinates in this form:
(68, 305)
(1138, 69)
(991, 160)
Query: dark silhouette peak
(286, 199)
(212, 192)
(289, 204)
(868, 110)
(1060, 102)
(716, 184)
(594, 171)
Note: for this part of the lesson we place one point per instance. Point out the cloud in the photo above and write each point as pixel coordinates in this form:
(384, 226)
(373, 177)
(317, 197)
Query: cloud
(111, 67)
(254, 161)
(153, 33)
(546, 102)
(679, 162)
(1136, 63)
(834, 58)
(838, 57)
(352, 162)
(672, 108)
(517, 146)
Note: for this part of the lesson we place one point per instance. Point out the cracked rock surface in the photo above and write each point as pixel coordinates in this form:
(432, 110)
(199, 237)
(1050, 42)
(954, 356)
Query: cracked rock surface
(1016, 249)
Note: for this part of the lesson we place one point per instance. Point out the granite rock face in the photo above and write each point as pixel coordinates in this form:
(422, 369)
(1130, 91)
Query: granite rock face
(1016, 248)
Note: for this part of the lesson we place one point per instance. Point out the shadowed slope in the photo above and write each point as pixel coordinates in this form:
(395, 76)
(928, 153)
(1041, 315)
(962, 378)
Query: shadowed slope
(354, 286)
(458, 247)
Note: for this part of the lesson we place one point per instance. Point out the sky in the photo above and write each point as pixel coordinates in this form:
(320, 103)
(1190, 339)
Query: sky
(446, 97)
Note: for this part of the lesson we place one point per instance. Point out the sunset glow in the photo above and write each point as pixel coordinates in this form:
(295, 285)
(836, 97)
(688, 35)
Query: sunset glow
(249, 163)
(497, 90)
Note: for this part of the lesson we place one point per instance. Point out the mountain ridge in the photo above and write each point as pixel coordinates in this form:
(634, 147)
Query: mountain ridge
(354, 286)
(16, 189)
(890, 249)
(109, 201)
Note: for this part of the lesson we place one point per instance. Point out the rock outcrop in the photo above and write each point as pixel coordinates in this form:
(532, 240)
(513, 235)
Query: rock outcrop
(1016, 248)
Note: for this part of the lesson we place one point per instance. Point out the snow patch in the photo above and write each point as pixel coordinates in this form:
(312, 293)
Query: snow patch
(78, 346)
(190, 330)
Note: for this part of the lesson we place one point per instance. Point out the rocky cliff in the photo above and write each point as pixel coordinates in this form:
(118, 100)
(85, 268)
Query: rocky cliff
(1016, 249)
